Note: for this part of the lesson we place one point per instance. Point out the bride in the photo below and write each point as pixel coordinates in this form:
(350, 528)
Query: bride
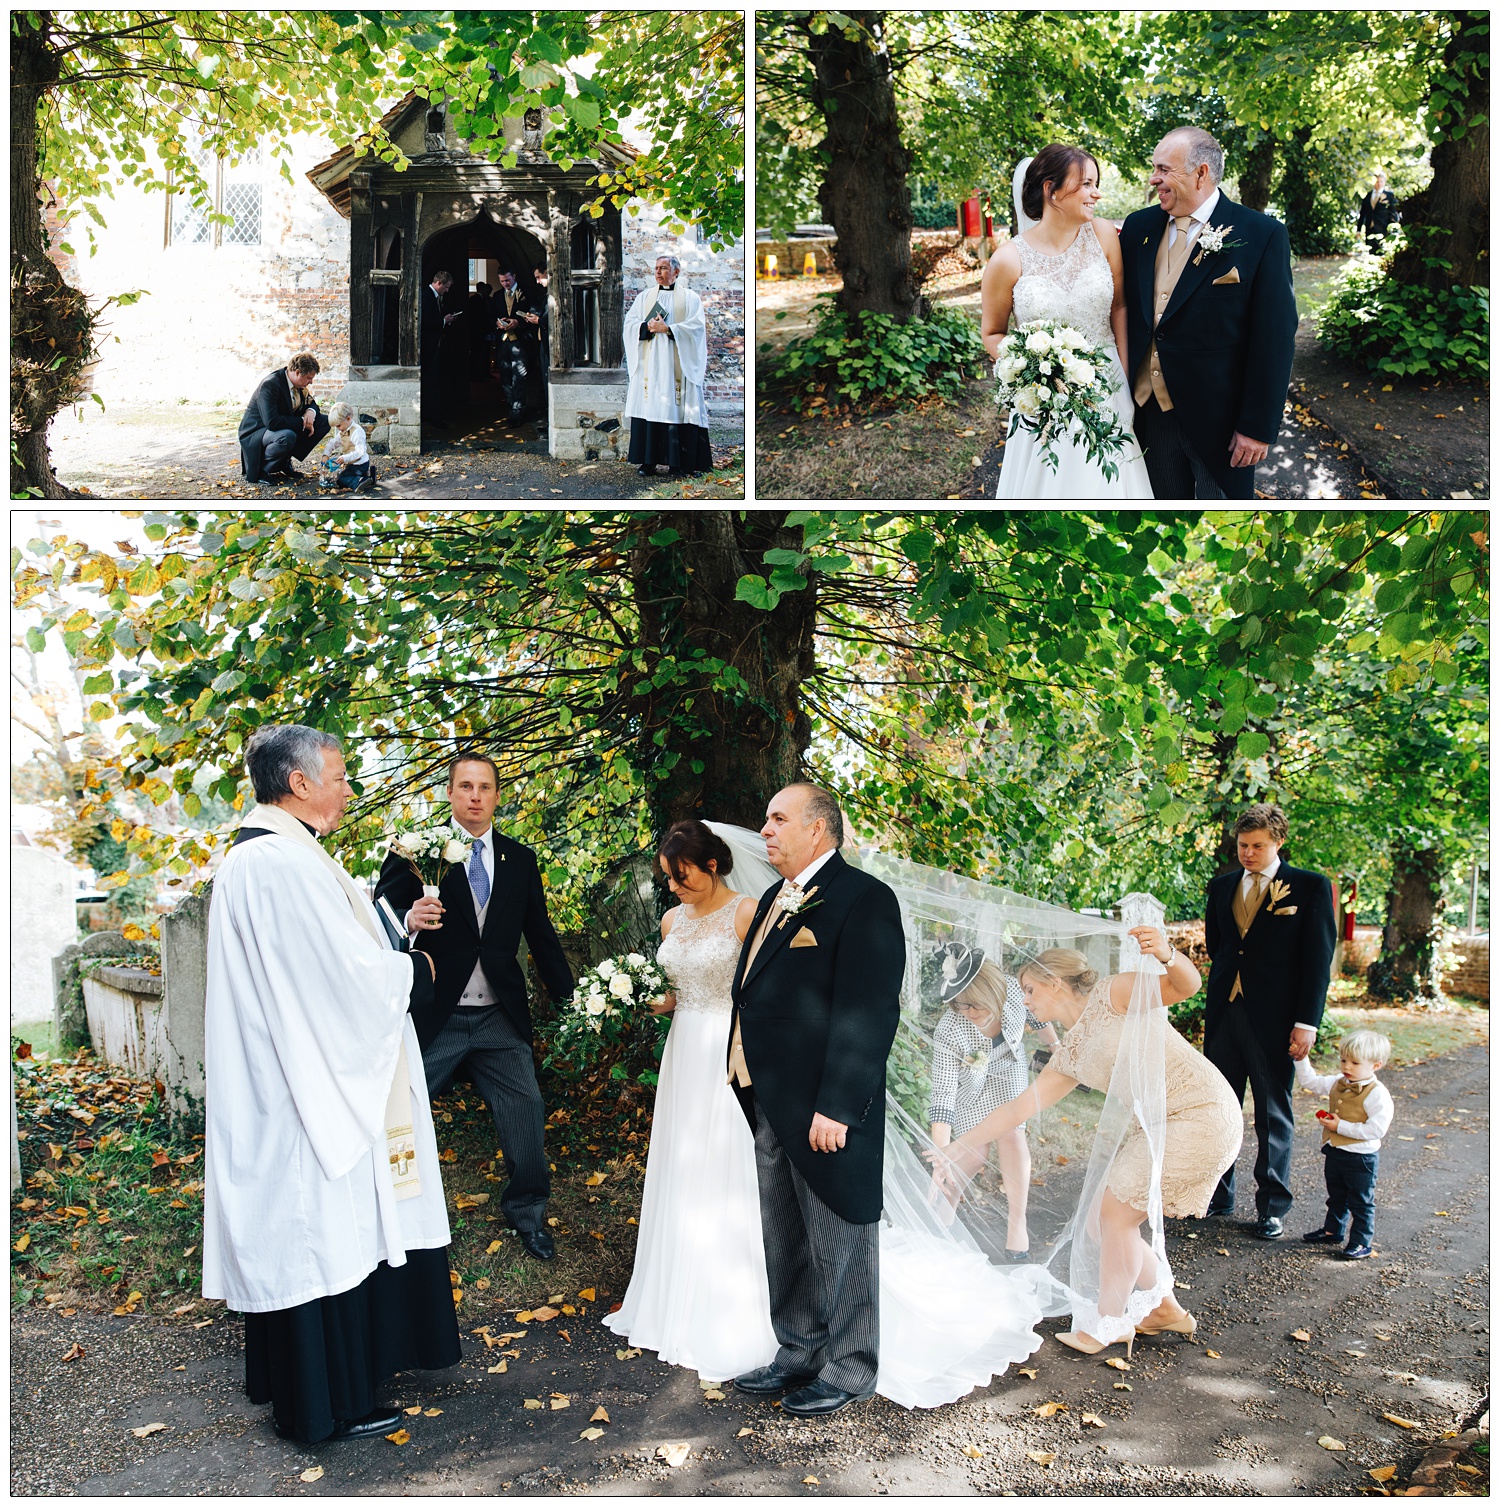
(950, 1321)
(1064, 265)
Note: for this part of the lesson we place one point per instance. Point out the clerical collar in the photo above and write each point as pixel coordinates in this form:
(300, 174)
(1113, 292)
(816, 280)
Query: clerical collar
(669, 287)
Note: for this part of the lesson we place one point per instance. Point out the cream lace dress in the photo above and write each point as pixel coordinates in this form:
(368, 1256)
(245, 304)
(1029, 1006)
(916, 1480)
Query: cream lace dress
(1078, 288)
(698, 1295)
(1204, 1125)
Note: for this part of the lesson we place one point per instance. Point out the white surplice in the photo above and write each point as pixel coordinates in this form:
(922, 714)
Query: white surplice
(666, 375)
(306, 1014)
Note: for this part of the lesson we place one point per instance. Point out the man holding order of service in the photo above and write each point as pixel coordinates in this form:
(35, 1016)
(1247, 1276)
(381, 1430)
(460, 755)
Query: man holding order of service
(324, 1218)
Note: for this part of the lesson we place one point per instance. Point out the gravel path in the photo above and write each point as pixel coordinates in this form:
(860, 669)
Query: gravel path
(1404, 1334)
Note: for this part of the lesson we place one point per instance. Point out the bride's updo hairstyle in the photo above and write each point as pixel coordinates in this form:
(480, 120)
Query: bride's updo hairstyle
(1063, 964)
(1049, 173)
(691, 842)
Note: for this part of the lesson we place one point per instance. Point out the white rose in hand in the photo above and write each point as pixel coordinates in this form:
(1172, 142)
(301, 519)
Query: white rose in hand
(455, 851)
(635, 960)
(607, 969)
(1029, 402)
(621, 987)
(595, 1005)
(1039, 342)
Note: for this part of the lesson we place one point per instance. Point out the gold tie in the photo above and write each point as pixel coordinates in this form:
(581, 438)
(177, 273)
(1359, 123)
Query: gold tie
(1184, 223)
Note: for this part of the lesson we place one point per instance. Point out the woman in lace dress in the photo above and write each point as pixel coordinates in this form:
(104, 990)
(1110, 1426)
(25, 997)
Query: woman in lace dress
(698, 1295)
(1203, 1131)
(1066, 266)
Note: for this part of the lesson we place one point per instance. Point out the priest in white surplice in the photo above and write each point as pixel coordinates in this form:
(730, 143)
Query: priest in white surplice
(666, 349)
(324, 1218)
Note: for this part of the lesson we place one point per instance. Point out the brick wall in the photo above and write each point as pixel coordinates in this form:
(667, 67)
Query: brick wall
(1468, 972)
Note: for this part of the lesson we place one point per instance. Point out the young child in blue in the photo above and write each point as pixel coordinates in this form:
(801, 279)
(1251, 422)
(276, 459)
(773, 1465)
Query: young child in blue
(346, 456)
(1359, 1114)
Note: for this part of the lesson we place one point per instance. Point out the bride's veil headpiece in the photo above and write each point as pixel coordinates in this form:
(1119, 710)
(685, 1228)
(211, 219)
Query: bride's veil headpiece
(1017, 182)
(1080, 1149)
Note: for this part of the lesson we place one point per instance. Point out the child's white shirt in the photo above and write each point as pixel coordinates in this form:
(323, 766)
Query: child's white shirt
(1380, 1108)
(349, 447)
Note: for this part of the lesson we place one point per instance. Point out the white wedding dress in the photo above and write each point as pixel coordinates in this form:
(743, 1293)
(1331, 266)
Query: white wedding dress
(1077, 288)
(698, 1296)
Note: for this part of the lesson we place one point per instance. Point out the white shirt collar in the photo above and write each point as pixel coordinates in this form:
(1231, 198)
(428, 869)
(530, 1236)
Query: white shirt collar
(1205, 210)
(1267, 874)
(801, 880)
(487, 837)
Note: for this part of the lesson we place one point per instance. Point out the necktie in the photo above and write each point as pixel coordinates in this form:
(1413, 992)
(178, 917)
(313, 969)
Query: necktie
(1257, 891)
(479, 881)
(1184, 223)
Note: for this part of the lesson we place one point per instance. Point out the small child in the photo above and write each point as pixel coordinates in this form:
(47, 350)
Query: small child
(1359, 1113)
(346, 457)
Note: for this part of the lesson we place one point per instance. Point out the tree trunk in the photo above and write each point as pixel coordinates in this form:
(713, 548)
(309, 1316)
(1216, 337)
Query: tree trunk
(864, 193)
(716, 750)
(1449, 221)
(1255, 177)
(1407, 968)
(51, 325)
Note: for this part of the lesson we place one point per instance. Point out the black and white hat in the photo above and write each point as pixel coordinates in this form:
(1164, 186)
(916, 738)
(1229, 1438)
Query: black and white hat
(960, 967)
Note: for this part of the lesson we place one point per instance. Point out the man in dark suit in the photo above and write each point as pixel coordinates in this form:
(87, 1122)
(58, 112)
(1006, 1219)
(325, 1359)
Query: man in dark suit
(816, 1002)
(282, 421)
(517, 346)
(479, 1025)
(1209, 331)
(430, 327)
(1270, 932)
(1378, 211)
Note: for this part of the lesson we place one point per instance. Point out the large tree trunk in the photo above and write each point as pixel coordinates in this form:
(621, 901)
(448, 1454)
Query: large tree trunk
(1449, 221)
(1407, 968)
(864, 193)
(750, 740)
(51, 324)
(1255, 176)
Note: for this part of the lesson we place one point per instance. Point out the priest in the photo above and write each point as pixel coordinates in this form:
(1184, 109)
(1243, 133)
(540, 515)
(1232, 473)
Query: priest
(324, 1217)
(666, 349)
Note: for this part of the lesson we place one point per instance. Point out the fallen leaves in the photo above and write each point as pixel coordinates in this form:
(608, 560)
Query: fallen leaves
(744, 1433)
(1301, 1336)
(499, 1370)
(587, 1294)
(712, 1394)
(1116, 1364)
(559, 1401)
(1381, 1473)
(973, 1451)
(412, 1412)
(399, 1437)
(811, 1481)
(492, 1247)
(674, 1454)
(1026, 1371)
(626, 1354)
(471, 1200)
(1401, 1423)
(1047, 1409)
(1092, 1420)
(544, 1314)
(1041, 1456)
(1327, 1441)
(74, 1352)
(1123, 1386)
(594, 1179)
(147, 1429)
(532, 1404)
(311, 1474)
(599, 1415)
(592, 1433)
(1213, 1354)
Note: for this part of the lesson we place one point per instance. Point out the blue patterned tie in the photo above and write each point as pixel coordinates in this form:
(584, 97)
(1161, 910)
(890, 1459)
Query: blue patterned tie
(479, 881)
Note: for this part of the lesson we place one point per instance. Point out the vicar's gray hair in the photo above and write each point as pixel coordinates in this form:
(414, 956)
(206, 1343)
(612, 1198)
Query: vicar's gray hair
(821, 805)
(1202, 151)
(666, 256)
(274, 752)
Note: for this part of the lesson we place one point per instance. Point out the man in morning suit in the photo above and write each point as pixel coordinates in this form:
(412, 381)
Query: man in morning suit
(1209, 332)
(1270, 932)
(431, 324)
(479, 1025)
(816, 1003)
(282, 421)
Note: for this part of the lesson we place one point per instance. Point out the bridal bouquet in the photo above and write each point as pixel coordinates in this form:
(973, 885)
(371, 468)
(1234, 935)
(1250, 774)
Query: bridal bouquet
(608, 1000)
(431, 851)
(1050, 375)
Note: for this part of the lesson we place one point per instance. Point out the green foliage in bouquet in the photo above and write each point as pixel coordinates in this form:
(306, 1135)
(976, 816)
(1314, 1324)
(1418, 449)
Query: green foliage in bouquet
(607, 1022)
(873, 357)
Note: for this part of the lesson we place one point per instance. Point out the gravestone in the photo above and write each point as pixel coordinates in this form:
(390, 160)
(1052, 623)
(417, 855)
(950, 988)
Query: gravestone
(43, 921)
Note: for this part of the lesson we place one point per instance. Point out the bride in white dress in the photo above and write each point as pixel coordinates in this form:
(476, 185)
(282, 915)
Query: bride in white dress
(698, 1295)
(1064, 265)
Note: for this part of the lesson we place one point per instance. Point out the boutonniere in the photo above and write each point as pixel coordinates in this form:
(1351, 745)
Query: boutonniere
(796, 904)
(1278, 892)
(1212, 240)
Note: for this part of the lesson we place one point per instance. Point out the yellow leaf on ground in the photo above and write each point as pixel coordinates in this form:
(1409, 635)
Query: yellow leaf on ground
(1382, 1472)
(147, 1429)
(1093, 1420)
(599, 1415)
(1041, 1456)
(626, 1354)
(810, 1481)
(492, 1247)
(399, 1437)
(1123, 1386)
(674, 1454)
(1213, 1354)
(587, 1294)
(524, 1317)
(532, 1404)
(471, 1200)
(973, 1451)
(313, 1473)
(1386, 1337)
(1116, 1364)
(1047, 1409)
(1026, 1371)
(592, 1434)
(541, 1315)
(560, 1402)
(743, 1432)
(501, 1369)
(1301, 1335)
(412, 1412)
(75, 1352)
(594, 1179)
(569, 1308)
(202, 1323)
(432, 1412)
(1329, 1442)
(556, 1297)
(1401, 1423)
(23, 1242)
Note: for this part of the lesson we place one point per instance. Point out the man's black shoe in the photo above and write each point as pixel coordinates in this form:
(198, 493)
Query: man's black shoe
(820, 1399)
(1322, 1237)
(381, 1421)
(771, 1381)
(1269, 1227)
(1356, 1253)
(538, 1243)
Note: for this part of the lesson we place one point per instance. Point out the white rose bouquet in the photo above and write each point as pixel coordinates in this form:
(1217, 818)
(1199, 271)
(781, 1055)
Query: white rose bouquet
(431, 851)
(607, 1004)
(1055, 380)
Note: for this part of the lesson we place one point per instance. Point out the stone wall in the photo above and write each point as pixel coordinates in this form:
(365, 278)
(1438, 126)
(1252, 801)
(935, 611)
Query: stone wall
(1468, 972)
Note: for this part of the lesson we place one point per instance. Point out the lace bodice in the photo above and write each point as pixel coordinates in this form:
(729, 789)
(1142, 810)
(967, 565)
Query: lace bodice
(1076, 287)
(700, 954)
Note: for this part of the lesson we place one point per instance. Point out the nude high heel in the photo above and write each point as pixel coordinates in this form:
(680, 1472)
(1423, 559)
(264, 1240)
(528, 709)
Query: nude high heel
(1187, 1325)
(1086, 1344)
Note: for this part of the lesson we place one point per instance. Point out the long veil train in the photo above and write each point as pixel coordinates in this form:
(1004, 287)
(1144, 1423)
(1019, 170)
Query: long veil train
(950, 1318)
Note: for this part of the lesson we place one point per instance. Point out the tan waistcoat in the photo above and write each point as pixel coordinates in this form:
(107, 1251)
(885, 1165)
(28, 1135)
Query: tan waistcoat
(1347, 1101)
(1148, 378)
(739, 1072)
(1244, 906)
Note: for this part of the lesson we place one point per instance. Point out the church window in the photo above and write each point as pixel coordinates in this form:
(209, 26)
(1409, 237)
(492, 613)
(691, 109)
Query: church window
(235, 189)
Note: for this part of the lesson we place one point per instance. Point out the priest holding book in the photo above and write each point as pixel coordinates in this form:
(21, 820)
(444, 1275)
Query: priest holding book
(324, 1217)
(666, 349)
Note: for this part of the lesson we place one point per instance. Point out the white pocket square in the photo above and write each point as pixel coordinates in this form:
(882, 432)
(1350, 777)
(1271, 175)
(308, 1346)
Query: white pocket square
(1286, 910)
(1232, 276)
(804, 938)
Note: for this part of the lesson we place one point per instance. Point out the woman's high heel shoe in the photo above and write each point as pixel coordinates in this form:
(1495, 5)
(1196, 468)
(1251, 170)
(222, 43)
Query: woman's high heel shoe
(1086, 1344)
(1184, 1324)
